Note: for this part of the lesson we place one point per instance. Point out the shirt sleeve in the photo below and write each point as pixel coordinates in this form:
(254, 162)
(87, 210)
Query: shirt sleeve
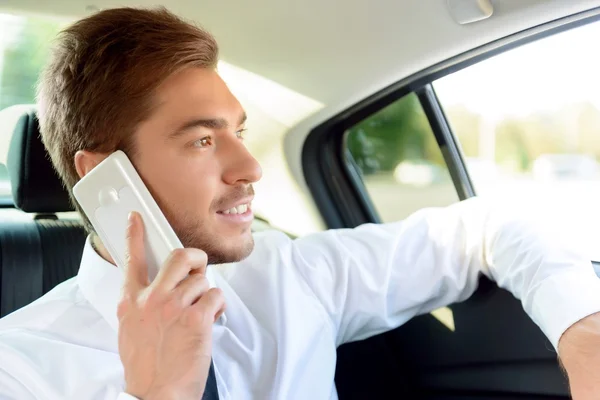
(378, 276)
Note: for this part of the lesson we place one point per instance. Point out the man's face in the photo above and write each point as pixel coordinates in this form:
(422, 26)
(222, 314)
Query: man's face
(191, 155)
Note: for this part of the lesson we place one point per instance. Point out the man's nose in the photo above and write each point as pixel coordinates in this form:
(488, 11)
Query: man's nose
(240, 165)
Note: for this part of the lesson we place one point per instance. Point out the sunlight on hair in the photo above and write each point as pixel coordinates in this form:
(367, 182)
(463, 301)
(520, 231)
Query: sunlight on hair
(272, 109)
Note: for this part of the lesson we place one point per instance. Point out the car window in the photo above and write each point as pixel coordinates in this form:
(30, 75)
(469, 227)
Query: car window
(528, 121)
(24, 46)
(400, 161)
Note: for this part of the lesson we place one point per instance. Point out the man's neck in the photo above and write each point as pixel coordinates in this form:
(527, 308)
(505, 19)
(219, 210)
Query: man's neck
(100, 249)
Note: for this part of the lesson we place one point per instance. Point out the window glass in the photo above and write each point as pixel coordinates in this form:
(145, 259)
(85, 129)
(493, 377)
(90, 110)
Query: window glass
(24, 46)
(528, 121)
(400, 161)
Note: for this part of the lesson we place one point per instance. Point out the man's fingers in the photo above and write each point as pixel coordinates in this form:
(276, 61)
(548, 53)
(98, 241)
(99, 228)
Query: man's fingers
(136, 270)
(192, 287)
(220, 312)
(211, 305)
(180, 263)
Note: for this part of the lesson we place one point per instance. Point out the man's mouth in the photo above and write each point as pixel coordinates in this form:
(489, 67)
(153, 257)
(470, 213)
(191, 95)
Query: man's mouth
(240, 209)
(240, 213)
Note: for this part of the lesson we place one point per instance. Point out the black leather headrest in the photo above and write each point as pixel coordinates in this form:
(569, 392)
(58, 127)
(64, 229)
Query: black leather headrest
(36, 186)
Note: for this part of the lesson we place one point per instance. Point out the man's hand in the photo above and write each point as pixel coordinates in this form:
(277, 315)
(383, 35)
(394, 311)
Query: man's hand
(165, 328)
(579, 350)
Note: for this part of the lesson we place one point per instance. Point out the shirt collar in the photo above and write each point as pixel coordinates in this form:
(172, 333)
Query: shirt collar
(101, 282)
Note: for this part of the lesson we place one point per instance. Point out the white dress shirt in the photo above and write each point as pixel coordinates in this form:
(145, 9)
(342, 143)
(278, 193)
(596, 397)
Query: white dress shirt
(293, 302)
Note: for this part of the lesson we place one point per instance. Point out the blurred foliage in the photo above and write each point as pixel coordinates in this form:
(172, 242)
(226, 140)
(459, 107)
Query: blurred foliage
(397, 132)
(400, 132)
(519, 141)
(25, 46)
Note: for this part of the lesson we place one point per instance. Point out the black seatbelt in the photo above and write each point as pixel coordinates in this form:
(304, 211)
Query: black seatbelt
(211, 392)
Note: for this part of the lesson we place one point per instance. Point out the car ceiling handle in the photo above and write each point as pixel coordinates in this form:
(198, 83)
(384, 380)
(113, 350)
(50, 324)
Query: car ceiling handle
(469, 11)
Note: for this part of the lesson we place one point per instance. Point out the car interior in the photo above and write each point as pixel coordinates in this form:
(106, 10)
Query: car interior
(54, 242)
(39, 250)
(317, 80)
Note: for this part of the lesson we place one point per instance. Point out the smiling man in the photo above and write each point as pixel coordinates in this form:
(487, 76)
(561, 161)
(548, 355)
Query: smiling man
(190, 152)
(263, 321)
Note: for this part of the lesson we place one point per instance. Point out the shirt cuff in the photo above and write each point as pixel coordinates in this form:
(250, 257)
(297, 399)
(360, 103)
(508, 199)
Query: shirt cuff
(563, 299)
(125, 396)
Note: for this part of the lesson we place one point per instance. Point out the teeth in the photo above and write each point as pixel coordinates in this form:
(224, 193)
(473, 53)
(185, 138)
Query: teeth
(241, 209)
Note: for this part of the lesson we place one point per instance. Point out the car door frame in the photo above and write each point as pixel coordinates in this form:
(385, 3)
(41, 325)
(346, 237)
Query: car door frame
(340, 195)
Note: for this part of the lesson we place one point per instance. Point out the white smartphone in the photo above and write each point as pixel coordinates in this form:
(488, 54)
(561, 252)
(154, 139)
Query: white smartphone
(107, 194)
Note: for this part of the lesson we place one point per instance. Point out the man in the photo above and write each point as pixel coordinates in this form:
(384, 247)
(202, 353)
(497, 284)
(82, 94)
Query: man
(270, 317)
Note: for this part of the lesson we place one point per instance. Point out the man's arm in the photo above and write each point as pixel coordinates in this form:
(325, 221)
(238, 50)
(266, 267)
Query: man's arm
(377, 277)
(579, 350)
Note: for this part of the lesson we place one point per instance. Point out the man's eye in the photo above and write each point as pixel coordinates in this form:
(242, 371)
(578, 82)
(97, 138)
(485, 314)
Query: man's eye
(204, 142)
(241, 133)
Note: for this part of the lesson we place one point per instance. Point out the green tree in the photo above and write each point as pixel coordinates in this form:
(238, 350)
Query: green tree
(397, 132)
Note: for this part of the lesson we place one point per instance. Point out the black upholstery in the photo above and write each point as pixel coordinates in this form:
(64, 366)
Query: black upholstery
(21, 263)
(36, 187)
(61, 245)
(37, 249)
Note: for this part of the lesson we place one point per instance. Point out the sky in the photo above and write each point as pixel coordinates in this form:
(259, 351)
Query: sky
(542, 76)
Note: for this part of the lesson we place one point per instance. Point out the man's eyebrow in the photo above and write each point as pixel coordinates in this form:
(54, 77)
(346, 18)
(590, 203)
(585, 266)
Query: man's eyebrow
(209, 123)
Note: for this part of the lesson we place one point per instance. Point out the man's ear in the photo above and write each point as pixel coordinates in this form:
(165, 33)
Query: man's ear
(85, 161)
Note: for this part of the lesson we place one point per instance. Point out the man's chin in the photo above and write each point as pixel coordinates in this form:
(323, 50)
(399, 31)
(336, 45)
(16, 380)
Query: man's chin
(220, 254)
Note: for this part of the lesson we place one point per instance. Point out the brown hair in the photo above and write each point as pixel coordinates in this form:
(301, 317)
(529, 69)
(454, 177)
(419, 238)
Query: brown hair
(99, 83)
